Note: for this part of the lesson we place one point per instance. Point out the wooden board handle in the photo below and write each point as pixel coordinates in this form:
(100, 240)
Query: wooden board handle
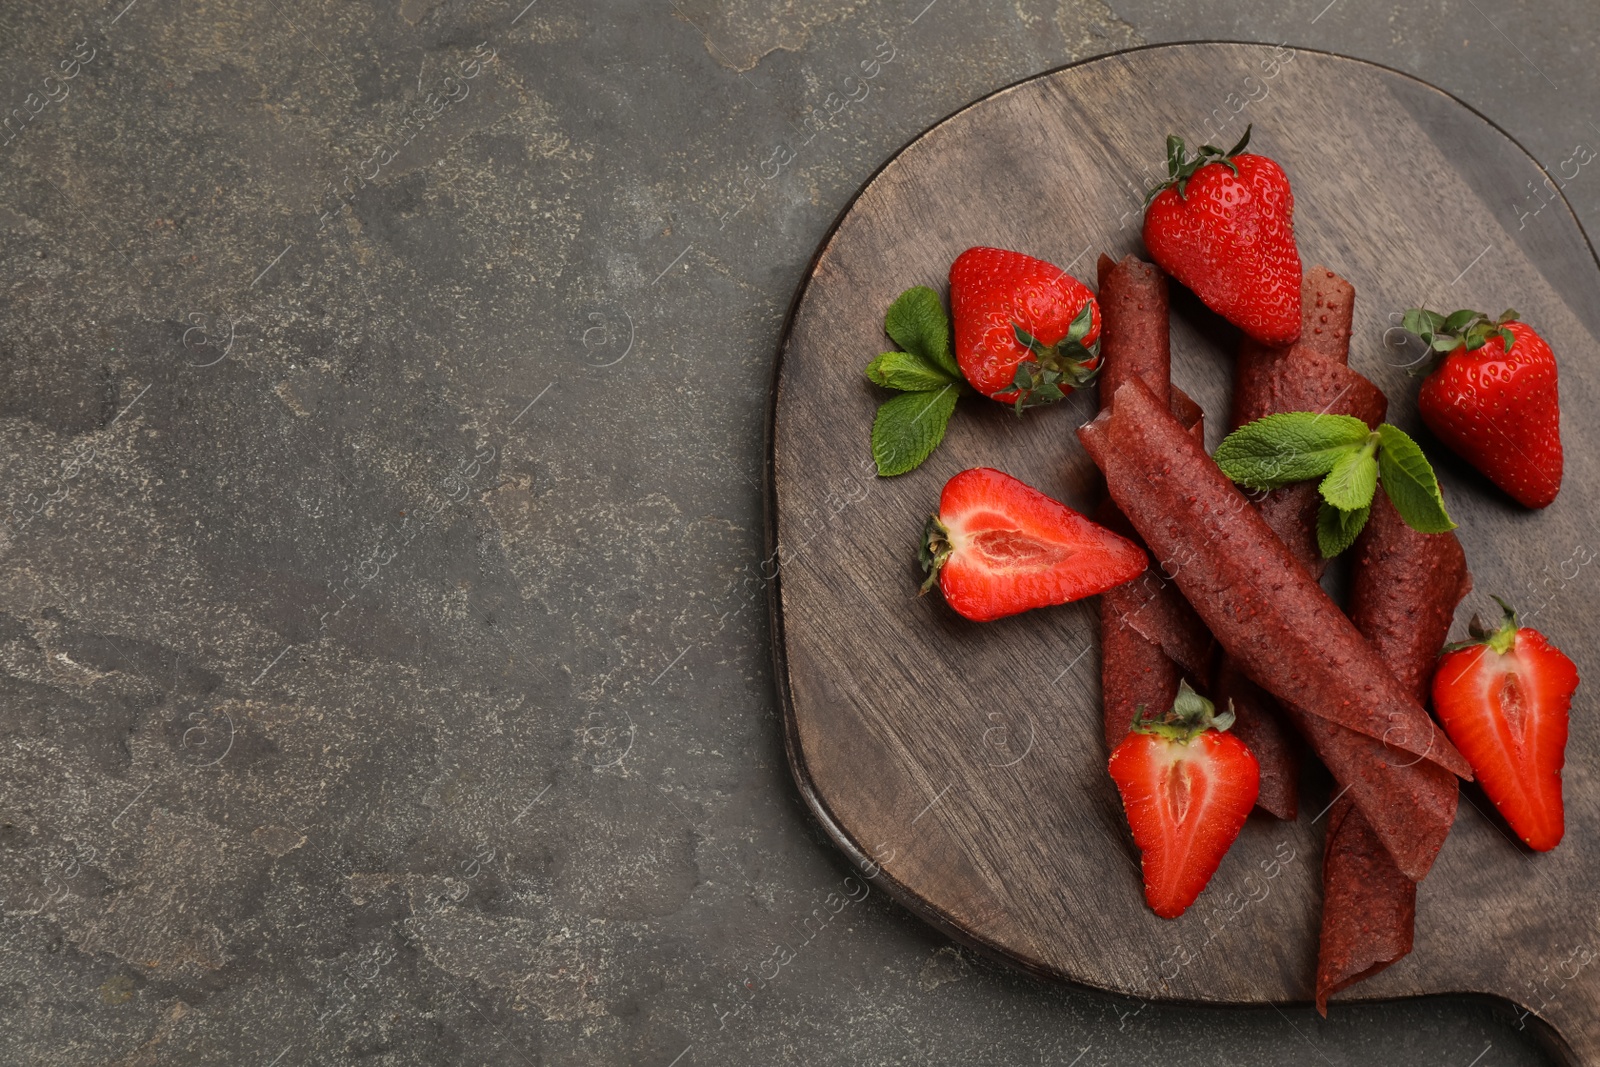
(1561, 1005)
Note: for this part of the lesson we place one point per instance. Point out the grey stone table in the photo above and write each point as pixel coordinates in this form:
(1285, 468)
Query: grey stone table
(383, 672)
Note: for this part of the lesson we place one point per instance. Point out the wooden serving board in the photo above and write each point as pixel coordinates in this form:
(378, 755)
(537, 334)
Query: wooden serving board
(962, 763)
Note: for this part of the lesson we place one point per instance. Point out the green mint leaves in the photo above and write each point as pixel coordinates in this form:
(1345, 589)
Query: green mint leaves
(1350, 460)
(1337, 530)
(917, 323)
(906, 372)
(1446, 333)
(1354, 478)
(910, 426)
(1293, 447)
(1409, 481)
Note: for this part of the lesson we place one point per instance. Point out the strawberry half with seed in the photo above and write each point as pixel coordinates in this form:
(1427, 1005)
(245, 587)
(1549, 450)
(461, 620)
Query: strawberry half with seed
(1493, 399)
(1187, 787)
(1027, 332)
(1223, 225)
(1503, 699)
(998, 547)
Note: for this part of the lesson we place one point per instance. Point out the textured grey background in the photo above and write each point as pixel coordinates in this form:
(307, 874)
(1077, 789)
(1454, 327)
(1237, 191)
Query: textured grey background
(383, 670)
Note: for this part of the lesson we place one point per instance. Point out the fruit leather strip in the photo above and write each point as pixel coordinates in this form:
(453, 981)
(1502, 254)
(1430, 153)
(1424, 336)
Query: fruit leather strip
(1327, 308)
(1292, 513)
(1149, 636)
(1285, 633)
(1134, 671)
(1404, 592)
(1403, 596)
(1369, 908)
(1257, 724)
(1410, 805)
(1186, 410)
(1152, 606)
(1269, 380)
(1134, 327)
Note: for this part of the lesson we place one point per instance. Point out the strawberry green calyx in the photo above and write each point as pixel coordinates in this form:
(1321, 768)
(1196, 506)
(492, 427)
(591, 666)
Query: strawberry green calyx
(1068, 362)
(1191, 715)
(934, 550)
(1180, 167)
(1446, 333)
(1501, 639)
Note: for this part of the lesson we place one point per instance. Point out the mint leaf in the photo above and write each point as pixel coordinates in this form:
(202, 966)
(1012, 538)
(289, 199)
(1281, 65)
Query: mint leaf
(918, 324)
(1337, 530)
(909, 427)
(907, 372)
(1409, 480)
(1290, 447)
(1352, 481)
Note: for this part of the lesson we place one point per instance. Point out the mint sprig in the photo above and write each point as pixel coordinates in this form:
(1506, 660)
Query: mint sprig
(1354, 478)
(1350, 460)
(909, 427)
(906, 372)
(1292, 447)
(917, 322)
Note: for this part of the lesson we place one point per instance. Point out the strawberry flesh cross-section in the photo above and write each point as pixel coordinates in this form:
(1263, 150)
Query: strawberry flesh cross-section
(998, 547)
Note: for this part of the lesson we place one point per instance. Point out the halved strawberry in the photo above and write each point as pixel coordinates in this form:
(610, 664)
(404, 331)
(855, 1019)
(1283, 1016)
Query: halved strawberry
(1503, 699)
(998, 547)
(1187, 787)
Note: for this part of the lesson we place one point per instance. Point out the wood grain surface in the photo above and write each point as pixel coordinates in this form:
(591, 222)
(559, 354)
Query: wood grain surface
(962, 763)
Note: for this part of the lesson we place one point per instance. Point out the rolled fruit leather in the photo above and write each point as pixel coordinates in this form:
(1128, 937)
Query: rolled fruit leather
(1149, 636)
(1403, 596)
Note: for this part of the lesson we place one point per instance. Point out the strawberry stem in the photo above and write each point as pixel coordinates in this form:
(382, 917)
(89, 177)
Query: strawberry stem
(1191, 715)
(934, 550)
(1501, 639)
(1446, 333)
(1180, 167)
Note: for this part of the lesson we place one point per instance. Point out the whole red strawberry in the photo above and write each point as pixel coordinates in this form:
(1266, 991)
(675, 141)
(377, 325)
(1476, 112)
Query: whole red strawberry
(1223, 225)
(1493, 399)
(1027, 332)
(1503, 700)
(1187, 787)
(998, 547)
